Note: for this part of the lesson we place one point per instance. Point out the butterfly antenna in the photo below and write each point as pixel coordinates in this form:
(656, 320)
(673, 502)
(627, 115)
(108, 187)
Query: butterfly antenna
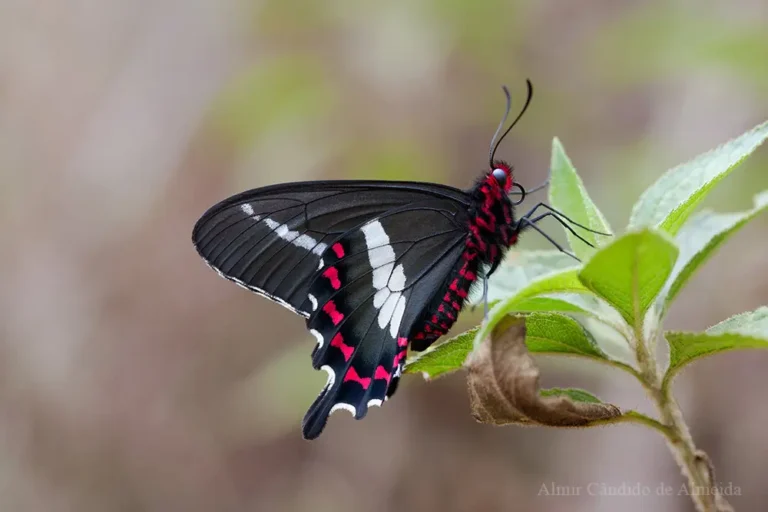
(496, 140)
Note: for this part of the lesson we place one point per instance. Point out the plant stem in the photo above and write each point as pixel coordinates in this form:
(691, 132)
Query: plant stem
(694, 463)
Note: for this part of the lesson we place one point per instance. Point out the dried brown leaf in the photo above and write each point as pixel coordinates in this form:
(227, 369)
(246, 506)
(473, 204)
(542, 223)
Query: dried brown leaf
(504, 386)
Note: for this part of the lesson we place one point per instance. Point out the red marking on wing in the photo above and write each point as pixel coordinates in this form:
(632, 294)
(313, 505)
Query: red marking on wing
(462, 293)
(447, 297)
(382, 373)
(400, 356)
(420, 336)
(338, 249)
(331, 311)
(456, 306)
(354, 377)
(441, 309)
(402, 342)
(338, 342)
(454, 285)
(333, 276)
(434, 319)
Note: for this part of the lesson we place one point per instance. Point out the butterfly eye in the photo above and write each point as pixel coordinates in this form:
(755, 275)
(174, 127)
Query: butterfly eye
(500, 175)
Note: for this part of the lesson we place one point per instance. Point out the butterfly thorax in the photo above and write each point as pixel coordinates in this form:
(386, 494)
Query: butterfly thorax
(491, 232)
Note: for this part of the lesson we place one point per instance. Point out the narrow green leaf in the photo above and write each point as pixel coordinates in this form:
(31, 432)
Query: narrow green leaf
(630, 272)
(568, 195)
(699, 238)
(743, 331)
(676, 194)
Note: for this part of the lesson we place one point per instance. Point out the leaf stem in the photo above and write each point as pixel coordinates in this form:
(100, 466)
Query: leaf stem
(694, 463)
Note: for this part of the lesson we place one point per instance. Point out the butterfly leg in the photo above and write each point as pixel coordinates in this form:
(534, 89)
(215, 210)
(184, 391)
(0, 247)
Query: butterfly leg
(526, 222)
(485, 297)
(564, 224)
(562, 219)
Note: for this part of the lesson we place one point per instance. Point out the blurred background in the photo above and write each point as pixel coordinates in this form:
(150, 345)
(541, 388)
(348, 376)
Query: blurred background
(132, 378)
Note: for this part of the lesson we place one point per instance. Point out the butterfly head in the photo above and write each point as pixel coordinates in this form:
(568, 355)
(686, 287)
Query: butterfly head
(500, 176)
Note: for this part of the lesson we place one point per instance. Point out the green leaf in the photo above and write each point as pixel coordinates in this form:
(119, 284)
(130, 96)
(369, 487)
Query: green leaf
(575, 394)
(752, 323)
(630, 272)
(743, 331)
(675, 195)
(699, 238)
(553, 333)
(557, 282)
(443, 357)
(450, 354)
(548, 333)
(568, 195)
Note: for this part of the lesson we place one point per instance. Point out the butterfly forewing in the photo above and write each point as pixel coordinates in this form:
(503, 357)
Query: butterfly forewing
(272, 240)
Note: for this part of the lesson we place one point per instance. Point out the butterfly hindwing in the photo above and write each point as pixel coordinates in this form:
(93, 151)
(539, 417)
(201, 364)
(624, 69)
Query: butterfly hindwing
(272, 240)
(374, 286)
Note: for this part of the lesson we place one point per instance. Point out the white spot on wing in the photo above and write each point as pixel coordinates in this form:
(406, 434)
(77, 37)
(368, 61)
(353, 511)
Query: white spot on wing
(313, 301)
(397, 280)
(385, 313)
(381, 256)
(296, 238)
(388, 280)
(374, 402)
(318, 336)
(346, 407)
(380, 298)
(397, 317)
(331, 375)
(247, 208)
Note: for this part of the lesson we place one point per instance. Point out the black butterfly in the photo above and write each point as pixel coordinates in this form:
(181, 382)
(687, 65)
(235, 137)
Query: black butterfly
(374, 266)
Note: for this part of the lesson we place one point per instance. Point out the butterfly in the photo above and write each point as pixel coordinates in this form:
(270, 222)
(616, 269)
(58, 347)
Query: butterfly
(375, 267)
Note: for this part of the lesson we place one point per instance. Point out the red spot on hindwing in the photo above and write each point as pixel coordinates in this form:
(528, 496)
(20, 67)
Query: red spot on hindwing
(399, 357)
(330, 309)
(354, 377)
(402, 342)
(338, 249)
(338, 342)
(333, 276)
(382, 373)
